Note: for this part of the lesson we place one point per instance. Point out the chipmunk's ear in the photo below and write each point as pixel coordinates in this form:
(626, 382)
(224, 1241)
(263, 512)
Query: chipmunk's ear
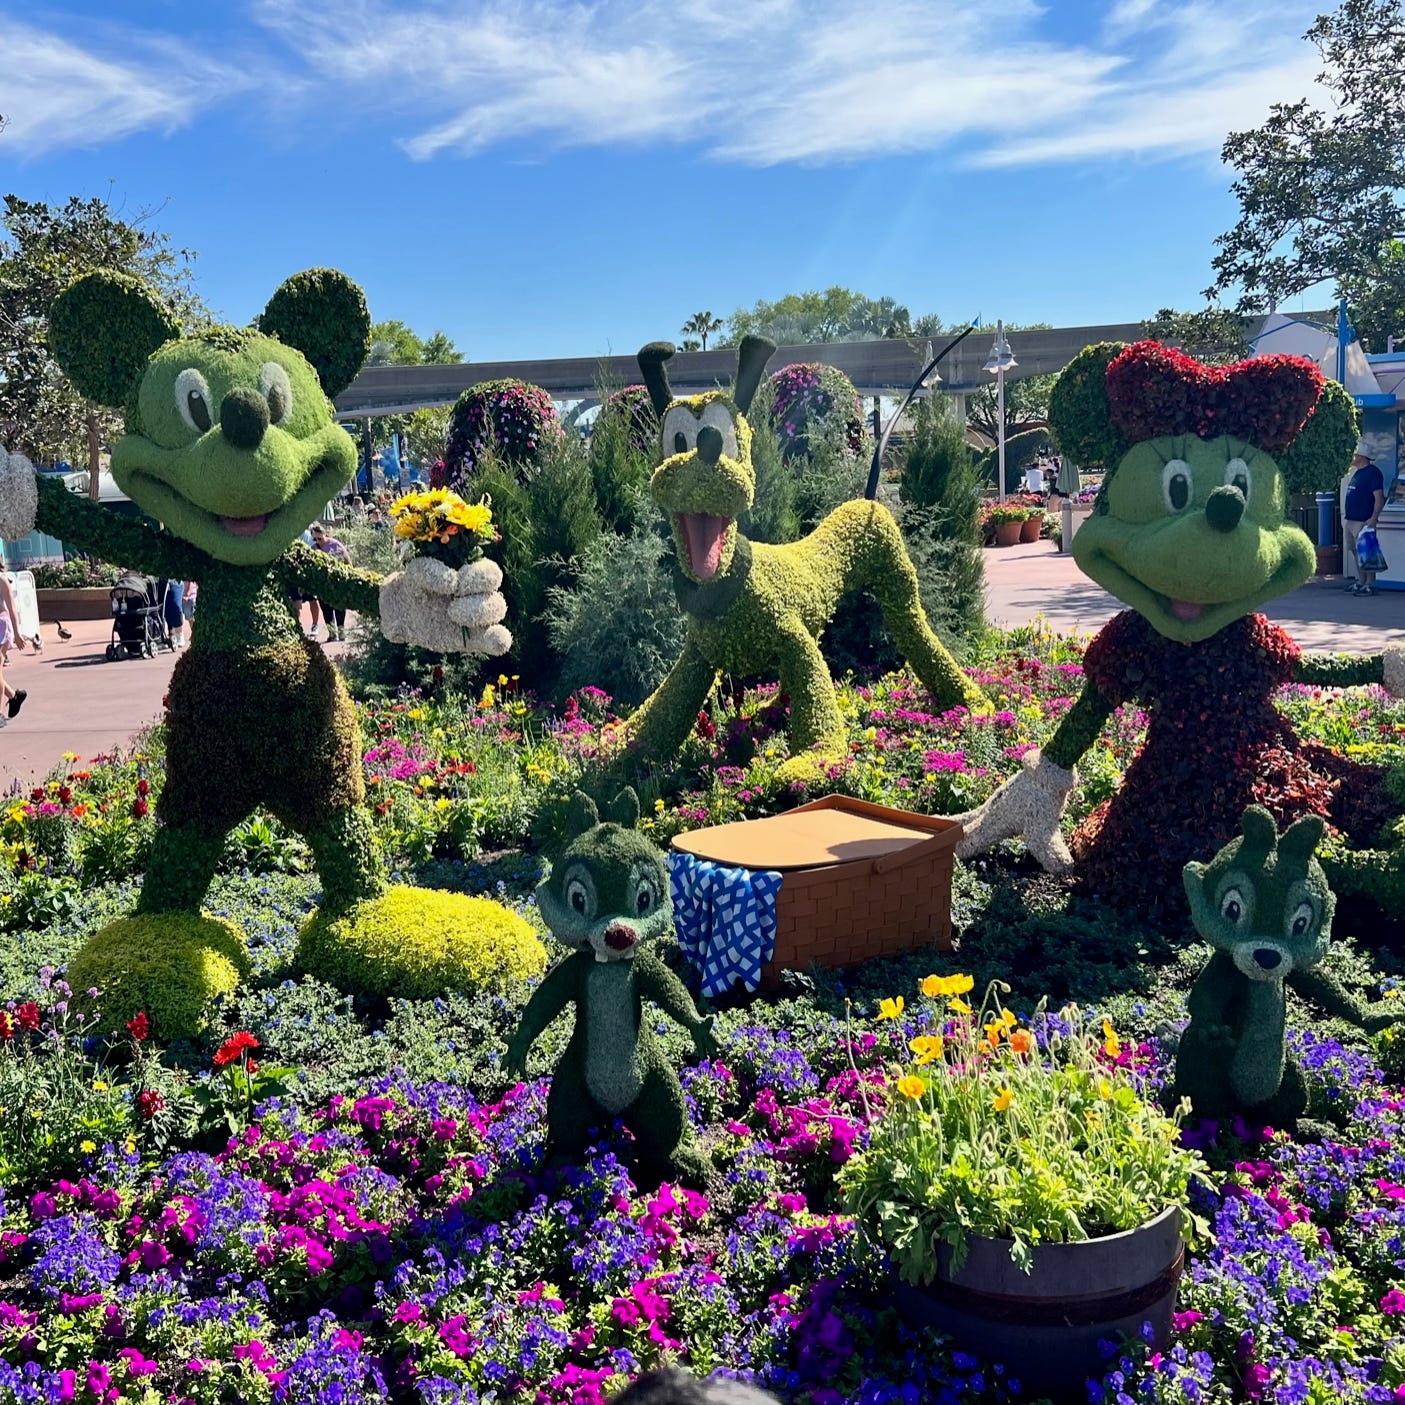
(581, 814)
(1260, 832)
(752, 356)
(624, 808)
(1299, 841)
(652, 367)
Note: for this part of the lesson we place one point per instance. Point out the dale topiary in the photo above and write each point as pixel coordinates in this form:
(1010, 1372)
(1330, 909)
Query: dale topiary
(418, 944)
(170, 965)
(513, 420)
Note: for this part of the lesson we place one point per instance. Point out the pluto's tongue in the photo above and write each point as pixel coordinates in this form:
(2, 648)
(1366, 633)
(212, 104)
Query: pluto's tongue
(704, 534)
(1186, 609)
(244, 526)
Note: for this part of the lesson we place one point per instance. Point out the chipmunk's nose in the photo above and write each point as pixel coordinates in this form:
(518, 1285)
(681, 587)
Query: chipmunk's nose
(709, 444)
(1225, 507)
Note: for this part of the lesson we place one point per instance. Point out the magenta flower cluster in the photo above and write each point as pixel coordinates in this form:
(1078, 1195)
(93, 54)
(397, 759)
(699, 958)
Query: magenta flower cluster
(513, 419)
(807, 398)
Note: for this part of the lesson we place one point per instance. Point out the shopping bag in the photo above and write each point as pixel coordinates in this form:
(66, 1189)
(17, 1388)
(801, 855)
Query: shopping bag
(1368, 551)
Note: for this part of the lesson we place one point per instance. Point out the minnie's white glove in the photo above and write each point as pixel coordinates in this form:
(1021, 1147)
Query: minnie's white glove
(1393, 664)
(19, 496)
(435, 607)
(1028, 806)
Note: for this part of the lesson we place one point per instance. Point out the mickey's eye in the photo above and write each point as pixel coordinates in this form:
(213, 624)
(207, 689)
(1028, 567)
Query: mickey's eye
(277, 390)
(1176, 485)
(1236, 475)
(1232, 907)
(1300, 922)
(193, 400)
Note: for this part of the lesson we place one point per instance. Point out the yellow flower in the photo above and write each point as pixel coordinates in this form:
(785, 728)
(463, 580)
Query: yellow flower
(993, 1033)
(911, 1086)
(442, 803)
(87, 1147)
(946, 985)
(958, 1007)
(1008, 1019)
(1104, 1089)
(927, 1047)
(70, 756)
(1003, 1099)
(890, 1009)
(99, 1086)
(415, 714)
(1112, 1045)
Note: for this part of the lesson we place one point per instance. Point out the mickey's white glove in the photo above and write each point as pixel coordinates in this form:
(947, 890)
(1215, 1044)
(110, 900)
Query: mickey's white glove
(435, 607)
(1393, 664)
(19, 496)
(1028, 806)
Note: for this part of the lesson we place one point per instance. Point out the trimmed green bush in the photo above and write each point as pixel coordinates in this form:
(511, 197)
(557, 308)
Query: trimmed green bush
(171, 965)
(134, 324)
(418, 943)
(1316, 460)
(322, 313)
(1021, 450)
(1078, 413)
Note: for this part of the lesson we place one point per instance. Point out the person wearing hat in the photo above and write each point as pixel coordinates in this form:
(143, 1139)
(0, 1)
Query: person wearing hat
(1365, 497)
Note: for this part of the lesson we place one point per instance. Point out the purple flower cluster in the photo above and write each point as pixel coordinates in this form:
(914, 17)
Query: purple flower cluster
(807, 398)
(514, 419)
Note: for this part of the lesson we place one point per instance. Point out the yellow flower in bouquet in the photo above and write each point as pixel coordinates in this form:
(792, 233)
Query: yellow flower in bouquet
(442, 524)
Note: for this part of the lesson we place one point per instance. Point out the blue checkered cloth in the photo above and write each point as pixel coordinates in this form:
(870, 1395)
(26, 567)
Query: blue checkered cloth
(725, 919)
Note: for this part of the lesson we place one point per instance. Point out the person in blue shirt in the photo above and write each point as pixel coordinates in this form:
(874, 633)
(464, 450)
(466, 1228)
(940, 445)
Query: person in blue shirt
(1365, 497)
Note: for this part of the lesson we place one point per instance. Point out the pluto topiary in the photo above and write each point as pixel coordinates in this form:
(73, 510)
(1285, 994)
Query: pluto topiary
(172, 966)
(808, 401)
(417, 944)
(509, 417)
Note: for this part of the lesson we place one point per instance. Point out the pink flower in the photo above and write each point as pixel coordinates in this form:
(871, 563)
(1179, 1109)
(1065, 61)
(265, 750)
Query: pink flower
(1393, 1304)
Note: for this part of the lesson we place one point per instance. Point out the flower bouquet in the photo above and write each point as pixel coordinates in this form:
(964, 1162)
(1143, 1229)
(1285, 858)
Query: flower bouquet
(439, 524)
(1033, 1134)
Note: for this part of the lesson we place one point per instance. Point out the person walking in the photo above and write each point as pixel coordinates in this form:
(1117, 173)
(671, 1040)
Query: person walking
(12, 698)
(1365, 497)
(322, 540)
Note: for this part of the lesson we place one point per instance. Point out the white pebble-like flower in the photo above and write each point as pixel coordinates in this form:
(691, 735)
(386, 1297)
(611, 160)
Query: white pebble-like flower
(19, 496)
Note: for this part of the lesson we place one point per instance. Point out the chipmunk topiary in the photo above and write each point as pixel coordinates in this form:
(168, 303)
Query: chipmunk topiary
(606, 898)
(753, 608)
(1264, 905)
(231, 446)
(1191, 531)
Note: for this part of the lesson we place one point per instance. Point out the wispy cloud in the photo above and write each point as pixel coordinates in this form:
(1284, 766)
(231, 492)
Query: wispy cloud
(60, 93)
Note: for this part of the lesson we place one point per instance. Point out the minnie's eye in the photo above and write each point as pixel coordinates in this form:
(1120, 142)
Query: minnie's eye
(1236, 475)
(1232, 907)
(1176, 485)
(193, 400)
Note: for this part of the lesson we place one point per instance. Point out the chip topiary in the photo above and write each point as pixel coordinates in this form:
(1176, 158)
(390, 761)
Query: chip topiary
(807, 401)
(417, 944)
(509, 417)
(171, 965)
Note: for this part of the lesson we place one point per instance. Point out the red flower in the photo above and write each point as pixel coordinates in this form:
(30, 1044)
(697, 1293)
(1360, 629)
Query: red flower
(149, 1103)
(27, 1016)
(705, 728)
(143, 787)
(233, 1047)
(65, 794)
(37, 794)
(139, 1027)
(139, 808)
(7, 1027)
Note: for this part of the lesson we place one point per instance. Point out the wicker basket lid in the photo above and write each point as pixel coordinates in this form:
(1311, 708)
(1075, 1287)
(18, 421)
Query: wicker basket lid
(831, 831)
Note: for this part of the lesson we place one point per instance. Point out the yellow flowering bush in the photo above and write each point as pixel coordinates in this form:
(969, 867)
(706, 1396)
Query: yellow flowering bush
(441, 524)
(1035, 1133)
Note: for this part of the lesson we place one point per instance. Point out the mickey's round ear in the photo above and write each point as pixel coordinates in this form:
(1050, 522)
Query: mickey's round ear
(1078, 409)
(103, 330)
(581, 814)
(322, 314)
(624, 808)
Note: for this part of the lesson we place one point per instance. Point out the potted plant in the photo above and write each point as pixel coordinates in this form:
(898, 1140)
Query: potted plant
(1032, 525)
(1007, 523)
(1029, 1191)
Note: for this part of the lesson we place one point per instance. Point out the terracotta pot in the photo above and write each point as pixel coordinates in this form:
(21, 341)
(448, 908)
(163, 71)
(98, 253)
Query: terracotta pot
(1030, 529)
(1008, 533)
(1046, 1325)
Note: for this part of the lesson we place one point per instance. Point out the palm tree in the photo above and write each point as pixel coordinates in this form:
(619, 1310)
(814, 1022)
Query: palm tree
(703, 325)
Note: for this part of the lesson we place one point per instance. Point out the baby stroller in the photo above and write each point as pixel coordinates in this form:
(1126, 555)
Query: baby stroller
(138, 626)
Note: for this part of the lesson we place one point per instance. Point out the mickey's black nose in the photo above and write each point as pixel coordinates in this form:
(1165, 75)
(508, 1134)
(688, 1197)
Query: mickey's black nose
(244, 418)
(1225, 508)
(709, 444)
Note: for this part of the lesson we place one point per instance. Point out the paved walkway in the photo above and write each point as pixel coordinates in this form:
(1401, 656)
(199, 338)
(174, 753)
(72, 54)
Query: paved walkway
(81, 703)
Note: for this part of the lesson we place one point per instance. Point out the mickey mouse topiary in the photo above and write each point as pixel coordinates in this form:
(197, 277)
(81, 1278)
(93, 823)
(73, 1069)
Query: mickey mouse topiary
(231, 445)
(1190, 530)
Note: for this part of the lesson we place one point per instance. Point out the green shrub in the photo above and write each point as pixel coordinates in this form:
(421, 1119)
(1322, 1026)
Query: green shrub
(77, 574)
(418, 943)
(1021, 450)
(618, 623)
(1316, 460)
(774, 516)
(623, 447)
(172, 965)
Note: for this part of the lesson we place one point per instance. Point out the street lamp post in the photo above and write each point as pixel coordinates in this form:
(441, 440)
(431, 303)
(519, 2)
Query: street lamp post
(1002, 359)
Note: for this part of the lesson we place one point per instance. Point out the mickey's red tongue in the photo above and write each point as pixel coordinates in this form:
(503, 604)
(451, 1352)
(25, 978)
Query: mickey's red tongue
(244, 526)
(705, 535)
(1186, 609)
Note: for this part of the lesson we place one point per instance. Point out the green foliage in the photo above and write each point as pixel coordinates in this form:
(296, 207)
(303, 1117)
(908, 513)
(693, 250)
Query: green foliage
(1021, 450)
(1026, 405)
(172, 965)
(1316, 460)
(78, 574)
(1214, 335)
(937, 461)
(836, 314)
(38, 901)
(623, 447)
(1377, 298)
(618, 621)
(102, 331)
(1079, 418)
(774, 514)
(323, 314)
(702, 325)
(393, 343)
(417, 943)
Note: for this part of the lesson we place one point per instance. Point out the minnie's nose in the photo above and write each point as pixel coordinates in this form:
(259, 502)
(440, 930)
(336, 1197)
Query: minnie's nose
(1225, 508)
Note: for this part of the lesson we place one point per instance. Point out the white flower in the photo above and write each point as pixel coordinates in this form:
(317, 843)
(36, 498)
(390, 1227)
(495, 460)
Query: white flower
(19, 496)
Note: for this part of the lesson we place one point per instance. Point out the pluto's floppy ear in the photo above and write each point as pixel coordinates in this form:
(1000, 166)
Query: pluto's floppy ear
(321, 313)
(752, 356)
(652, 367)
(581, 814)
(624, 808)
(103, 330)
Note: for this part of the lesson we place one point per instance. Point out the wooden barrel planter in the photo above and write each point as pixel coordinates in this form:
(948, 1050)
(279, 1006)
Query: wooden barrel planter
(77, 603)
(1008, 533)
(1046, 1325)
(859, 880)
(1031, 527)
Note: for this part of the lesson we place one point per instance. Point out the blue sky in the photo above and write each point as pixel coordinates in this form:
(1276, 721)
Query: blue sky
(545, 178)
